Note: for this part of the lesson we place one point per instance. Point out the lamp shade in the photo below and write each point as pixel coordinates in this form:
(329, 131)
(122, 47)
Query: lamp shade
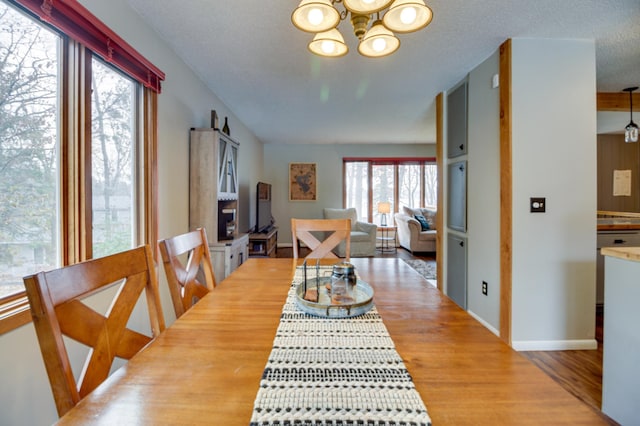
(378, 41)
(405, 16)
(384, 207)
(366, 7)
(329, 43)
(314, 16)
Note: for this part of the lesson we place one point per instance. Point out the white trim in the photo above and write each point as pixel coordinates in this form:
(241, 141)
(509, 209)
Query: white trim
(483, 322)
(554, 345)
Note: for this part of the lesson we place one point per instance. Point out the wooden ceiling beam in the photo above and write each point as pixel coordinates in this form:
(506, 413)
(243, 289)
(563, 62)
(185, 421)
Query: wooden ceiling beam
(616, 101)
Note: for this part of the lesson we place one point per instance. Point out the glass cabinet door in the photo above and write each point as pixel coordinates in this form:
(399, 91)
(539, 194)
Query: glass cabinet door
(227, 170)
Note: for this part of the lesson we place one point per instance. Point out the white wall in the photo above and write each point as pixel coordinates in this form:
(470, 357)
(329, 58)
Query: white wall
(185, 102)
(328, 159)
(554, 156)
(483, 194)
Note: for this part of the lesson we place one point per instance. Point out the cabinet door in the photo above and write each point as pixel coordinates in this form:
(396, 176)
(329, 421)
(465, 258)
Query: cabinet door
(457, 270)
(457, 193)
(227, 169)
(457, 121)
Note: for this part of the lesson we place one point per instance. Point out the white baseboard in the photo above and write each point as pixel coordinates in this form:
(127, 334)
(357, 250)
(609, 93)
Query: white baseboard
(486, 324)
(554, 345)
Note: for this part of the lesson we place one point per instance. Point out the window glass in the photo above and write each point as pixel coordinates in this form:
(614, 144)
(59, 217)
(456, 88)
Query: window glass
(409, 185)
(357, 187)
(430, 185)
(383, 189)
(112, 159)
(29, 171)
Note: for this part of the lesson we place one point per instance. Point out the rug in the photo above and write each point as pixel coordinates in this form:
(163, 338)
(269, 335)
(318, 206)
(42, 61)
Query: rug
(335, 372)
(424, 267)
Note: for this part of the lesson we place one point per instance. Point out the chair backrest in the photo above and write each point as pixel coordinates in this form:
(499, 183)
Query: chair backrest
(301, 230)
(57, 311)
(192, 280)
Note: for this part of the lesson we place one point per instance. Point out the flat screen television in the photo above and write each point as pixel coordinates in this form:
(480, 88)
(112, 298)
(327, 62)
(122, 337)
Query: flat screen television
(264, 220)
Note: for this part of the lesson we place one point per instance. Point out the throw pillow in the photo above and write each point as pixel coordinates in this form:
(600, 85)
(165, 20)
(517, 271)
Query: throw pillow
(424, 225)
(430, 216)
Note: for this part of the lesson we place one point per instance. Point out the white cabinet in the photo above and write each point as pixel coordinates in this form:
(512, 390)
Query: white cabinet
(213, 197)
(227, 256)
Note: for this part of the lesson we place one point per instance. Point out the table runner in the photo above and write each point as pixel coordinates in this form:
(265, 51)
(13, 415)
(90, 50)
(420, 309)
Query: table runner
(329, 372)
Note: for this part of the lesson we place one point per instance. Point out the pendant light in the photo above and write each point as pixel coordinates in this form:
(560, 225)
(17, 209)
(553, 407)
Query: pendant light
(631, 131)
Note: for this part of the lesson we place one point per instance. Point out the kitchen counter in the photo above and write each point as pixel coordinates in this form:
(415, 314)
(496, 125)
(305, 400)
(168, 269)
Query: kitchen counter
(626, 253)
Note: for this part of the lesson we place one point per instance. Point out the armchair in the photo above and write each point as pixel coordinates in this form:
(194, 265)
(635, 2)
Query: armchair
(363, 234)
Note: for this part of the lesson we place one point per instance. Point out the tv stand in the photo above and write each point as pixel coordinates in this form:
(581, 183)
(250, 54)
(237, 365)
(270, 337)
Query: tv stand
(264, 244)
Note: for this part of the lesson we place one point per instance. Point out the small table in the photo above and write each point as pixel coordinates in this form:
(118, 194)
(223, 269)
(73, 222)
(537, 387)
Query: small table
(386, 235)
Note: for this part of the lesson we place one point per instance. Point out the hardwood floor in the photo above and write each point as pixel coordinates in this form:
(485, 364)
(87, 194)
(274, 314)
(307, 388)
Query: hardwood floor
(579, 372)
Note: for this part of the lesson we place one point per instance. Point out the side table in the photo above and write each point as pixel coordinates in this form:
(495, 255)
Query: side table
(387, 237)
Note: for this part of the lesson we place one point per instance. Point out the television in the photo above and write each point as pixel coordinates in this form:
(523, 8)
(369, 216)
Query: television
(264, 220)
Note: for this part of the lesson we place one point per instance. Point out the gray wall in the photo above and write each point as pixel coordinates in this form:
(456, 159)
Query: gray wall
(185, 102)
(328, 159)
(483, 217)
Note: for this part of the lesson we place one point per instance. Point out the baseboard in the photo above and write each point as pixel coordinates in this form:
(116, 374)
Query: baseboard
(554, 345)
(483, 322)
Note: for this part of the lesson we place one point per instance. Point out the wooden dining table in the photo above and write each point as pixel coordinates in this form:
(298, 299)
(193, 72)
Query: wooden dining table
(207, 366)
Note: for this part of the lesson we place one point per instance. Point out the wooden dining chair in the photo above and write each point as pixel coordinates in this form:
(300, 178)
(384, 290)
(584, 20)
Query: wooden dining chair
(337, 230)
(58, 309)
(192, 280)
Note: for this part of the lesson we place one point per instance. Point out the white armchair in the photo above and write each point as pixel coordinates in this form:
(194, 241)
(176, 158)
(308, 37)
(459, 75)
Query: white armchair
(363, 234)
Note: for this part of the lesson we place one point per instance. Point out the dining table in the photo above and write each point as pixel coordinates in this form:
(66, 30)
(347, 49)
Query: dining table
(208, 366)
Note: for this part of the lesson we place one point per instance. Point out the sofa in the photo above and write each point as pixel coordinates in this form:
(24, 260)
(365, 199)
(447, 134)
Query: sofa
(413, 235)
(363, 234)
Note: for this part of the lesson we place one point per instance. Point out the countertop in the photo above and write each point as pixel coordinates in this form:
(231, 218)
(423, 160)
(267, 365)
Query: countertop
(618, 224)
(626, 253)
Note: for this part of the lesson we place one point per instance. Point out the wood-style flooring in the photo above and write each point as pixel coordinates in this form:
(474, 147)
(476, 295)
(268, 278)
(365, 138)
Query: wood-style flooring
(578, 371)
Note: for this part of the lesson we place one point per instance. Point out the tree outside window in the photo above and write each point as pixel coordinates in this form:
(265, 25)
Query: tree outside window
(29, 148)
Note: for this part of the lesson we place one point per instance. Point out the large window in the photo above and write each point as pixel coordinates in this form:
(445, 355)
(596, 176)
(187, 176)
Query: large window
(77, 144)
(29, 147)
(399, 182)
(113, 119)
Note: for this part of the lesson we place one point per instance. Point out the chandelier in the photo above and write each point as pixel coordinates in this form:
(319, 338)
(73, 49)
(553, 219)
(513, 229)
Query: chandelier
(321, 17)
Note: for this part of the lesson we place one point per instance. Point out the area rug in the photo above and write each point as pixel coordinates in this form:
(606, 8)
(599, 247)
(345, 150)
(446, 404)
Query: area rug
(425, 268)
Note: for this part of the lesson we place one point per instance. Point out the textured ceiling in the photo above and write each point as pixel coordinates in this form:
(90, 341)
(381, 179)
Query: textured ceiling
(256, 61)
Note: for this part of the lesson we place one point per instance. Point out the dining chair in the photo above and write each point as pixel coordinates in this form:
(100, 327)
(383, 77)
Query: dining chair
(57, 300)
(191, 280)
(335, 230)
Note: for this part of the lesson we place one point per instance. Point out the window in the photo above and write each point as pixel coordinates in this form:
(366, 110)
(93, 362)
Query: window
(410, 182)
(113, 123)
(29, 149)
(77, 144)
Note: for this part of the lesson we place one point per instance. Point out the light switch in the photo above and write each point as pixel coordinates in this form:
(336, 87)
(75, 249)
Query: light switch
(538, 204)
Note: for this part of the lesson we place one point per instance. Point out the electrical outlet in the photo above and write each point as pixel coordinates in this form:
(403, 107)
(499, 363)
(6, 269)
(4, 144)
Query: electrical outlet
(485, 288)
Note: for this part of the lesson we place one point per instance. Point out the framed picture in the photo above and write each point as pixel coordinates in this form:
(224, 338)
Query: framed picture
(302, 182)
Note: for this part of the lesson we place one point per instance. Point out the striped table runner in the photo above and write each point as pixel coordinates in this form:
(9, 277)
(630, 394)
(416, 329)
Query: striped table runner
(329, 372)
